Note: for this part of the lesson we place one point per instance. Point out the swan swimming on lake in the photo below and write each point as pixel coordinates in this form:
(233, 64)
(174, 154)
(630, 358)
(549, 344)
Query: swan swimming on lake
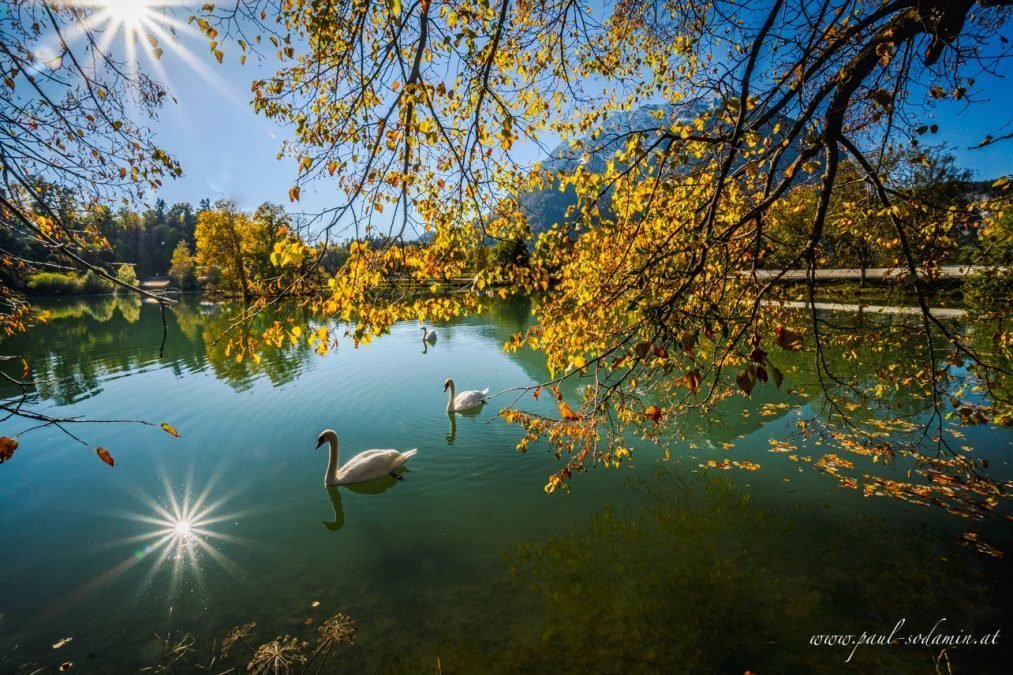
(428, 336)
(465, 400)
(365, 466)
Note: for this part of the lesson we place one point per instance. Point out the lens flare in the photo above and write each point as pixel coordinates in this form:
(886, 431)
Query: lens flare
(130, 13)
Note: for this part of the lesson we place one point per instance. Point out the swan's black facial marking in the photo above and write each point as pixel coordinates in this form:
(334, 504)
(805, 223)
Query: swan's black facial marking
(321, 440)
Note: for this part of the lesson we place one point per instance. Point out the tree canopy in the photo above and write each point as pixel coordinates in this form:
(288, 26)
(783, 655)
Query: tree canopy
(705, 143)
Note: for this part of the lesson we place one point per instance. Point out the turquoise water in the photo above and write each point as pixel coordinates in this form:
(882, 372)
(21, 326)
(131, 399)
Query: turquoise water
(466, 565)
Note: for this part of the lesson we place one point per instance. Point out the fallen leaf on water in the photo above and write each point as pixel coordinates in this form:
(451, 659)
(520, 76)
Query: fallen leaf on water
(167, 428)
(60, 643)
(7, 448)
(66, 665)
(726, 464)
(104, 455)
(308, 621)
(315, 603)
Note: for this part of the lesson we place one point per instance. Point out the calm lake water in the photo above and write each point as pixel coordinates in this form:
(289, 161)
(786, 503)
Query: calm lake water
(466, 565)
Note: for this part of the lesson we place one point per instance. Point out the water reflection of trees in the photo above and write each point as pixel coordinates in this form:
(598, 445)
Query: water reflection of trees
(216, 323)
(85, 341)
(707, 581)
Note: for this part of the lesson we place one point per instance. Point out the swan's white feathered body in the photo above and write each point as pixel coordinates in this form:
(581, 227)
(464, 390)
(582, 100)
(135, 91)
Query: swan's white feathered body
(466, 400)
(428, 336)
(366, 466)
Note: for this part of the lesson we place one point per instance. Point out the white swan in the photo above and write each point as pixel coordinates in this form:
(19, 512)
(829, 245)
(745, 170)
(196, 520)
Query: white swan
(365, 466)
(465, 400)
(428, 336)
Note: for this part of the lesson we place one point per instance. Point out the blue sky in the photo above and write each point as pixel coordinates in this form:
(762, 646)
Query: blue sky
(228, 151)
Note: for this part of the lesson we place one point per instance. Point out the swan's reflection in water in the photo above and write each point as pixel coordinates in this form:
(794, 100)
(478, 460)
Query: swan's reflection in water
(373, 487)
(452, 436)
(470, 412)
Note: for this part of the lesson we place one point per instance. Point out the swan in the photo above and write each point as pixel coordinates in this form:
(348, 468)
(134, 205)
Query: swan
(428, 336)
(465, 400)
(365, 466)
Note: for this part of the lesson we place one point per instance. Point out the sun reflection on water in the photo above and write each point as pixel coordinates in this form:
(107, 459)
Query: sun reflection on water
(184, 534)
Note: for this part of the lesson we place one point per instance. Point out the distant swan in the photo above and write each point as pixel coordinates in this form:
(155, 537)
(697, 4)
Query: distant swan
(367, 465)
(428, 336)
(465, 400)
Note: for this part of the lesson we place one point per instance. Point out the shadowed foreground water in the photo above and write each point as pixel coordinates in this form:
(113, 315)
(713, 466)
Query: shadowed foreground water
(464, 566)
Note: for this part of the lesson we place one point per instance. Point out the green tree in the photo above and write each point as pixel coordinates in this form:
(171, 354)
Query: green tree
(183, 269)
(511, 252)
(125, 273)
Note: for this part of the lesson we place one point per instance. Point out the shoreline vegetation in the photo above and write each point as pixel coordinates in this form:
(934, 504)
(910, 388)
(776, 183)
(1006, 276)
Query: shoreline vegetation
(980, 289)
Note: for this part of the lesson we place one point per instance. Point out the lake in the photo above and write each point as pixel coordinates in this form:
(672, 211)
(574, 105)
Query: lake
(465, 565)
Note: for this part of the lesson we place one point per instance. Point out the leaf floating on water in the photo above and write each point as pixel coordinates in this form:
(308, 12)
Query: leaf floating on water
(725, 464)
(61, 643)
(315, 603)
(308, 621)
(104, 455)
(168, 428)
(7, 448)
(781, 446)
(65, 666)
(982, 547)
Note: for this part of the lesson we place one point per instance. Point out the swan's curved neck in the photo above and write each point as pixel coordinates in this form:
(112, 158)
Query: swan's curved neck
(332, 462)
(450, 401)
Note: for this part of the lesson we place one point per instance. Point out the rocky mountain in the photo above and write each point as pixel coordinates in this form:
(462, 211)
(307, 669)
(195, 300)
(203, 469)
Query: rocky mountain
(547, 207)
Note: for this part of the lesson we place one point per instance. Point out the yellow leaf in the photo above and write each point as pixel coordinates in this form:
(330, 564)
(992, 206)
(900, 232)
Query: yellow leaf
(566, 412)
